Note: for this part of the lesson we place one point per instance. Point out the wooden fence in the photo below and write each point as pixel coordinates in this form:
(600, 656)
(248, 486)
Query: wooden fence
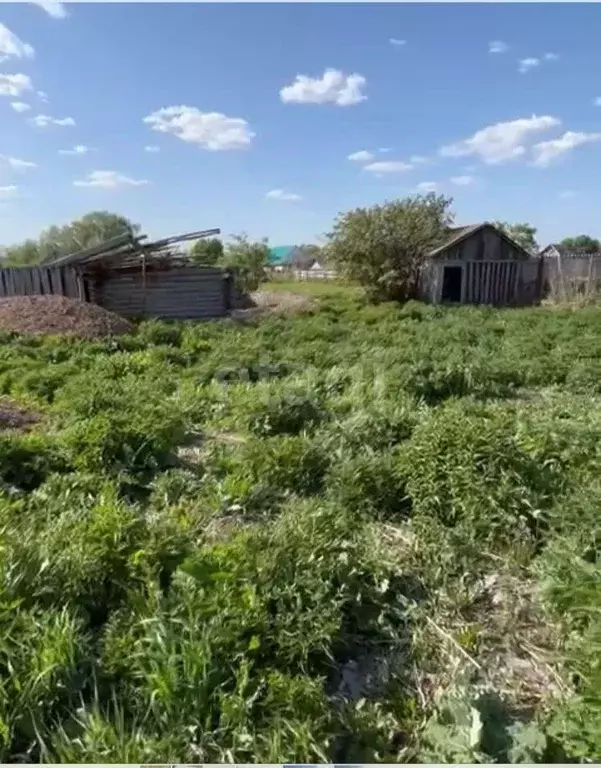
(572, 276)
(36, 281)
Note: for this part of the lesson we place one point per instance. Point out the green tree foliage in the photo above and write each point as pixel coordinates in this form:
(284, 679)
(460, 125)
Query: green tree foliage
(581, 244)
(208, 251)
(383, 247)
(92, 229)
(523, 234)
(248, 259)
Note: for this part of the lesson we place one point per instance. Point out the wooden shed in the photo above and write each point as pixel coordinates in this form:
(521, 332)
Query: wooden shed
(480, 264)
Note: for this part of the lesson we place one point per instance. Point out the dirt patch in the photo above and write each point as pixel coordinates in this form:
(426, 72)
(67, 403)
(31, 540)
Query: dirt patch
(53, 315)
(13, 416)
(268, 302)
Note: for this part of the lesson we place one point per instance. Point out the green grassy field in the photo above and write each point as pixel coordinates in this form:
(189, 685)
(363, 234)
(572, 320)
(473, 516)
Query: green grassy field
(362, 533)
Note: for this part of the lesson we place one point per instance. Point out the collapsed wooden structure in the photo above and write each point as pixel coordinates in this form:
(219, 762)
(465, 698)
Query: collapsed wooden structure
(131, 276)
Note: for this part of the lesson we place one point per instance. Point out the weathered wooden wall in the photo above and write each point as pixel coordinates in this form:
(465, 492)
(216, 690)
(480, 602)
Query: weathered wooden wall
(500, 283)
(32, 281)
(566, 276)
(178, 294)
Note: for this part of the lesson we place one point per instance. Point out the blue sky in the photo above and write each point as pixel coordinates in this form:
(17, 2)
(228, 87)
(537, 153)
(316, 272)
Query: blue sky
(430, 96)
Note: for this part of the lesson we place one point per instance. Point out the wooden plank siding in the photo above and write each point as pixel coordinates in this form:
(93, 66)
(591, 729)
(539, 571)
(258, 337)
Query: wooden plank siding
(38, 281)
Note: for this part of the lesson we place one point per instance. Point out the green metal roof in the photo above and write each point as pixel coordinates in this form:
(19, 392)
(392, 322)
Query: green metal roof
(281, 253)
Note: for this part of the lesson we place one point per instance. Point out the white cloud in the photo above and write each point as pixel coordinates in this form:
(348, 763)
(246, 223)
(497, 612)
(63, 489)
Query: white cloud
(8, 191)
(13, 47)
(152, 148)
(109, 180)
(16, 163)
(333, 87)
(418, 159)
(54, 8)
(547, 151)
(525, 65)
(45, 120)
(597, 101)
(551, 57)
(14, 85)
(211, 130)
(78, 149)
(280, 194)
(20, 106)
(427, 186)
(462, 181)
(567, 194)
(362, 156)
(388, 166)
(497, 46)
(43, 96)
(396, 41)
(502, 141)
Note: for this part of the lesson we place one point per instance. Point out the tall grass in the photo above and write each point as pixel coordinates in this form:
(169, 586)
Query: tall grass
(365, 533)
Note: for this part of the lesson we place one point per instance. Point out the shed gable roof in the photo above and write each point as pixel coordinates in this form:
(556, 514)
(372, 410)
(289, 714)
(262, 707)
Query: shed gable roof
(458, 234)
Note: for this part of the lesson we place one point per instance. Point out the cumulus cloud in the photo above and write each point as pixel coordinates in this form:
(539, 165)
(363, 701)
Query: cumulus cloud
(42, 121)
(546, 151)
(362, 156)
(501, 142)
(388, 166)
(43, 95)
(525, 65)
(16, 163)
(152, 148)
(78, 149)
(53, 8)
(333, 87)
(551, 57)
(20, 106)
(210, 130)
(8, 191)
(497, 46)
(14, 85)
(109, 180)
(597, 101)
(427, 186)
(280, 194)
(12, 46)
(396, 41)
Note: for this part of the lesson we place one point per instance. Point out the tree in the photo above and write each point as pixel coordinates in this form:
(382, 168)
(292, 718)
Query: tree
(523, 234)
(22, 255)
(207, 251)
(92, 229)
(248, 260)
(383, 247)
(581, 244)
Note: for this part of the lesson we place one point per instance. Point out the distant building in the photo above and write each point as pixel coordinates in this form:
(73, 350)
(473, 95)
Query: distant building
(298, 262)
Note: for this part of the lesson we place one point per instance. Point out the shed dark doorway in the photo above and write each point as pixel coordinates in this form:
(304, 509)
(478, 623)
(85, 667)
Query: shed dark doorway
(451, 284)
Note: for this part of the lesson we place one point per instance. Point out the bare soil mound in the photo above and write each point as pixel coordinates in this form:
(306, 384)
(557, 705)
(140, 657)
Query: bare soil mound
(58, 315)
